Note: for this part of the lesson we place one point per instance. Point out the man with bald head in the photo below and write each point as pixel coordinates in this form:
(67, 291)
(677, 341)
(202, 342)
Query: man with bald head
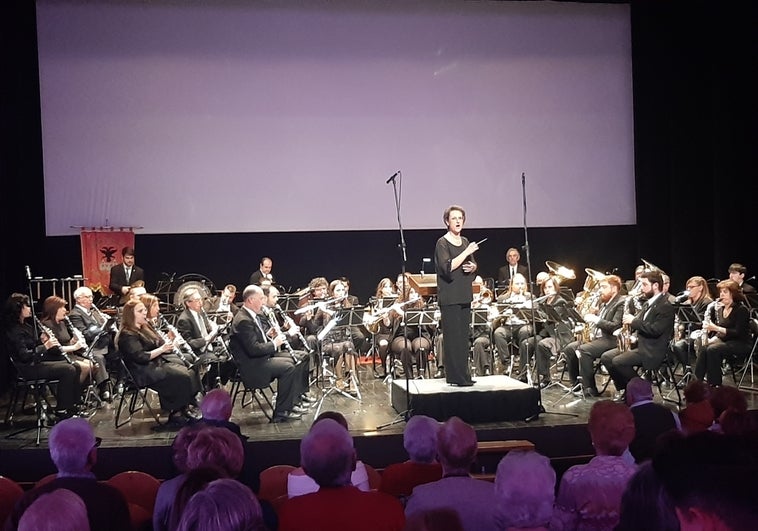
(327, 455)
(472, 499)
(255, 349)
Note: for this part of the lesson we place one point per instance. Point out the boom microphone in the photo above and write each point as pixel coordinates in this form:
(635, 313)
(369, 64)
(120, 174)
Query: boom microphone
(393, 177)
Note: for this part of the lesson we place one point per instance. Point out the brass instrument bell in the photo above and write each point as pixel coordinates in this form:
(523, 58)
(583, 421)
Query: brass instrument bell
(560, 272)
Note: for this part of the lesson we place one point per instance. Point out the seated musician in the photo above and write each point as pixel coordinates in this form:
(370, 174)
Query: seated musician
(727, 333)
(545, 339)
(86, 318)
(55, 317)
(182, 354)
(223, 307)
(338, 342)
(257, 355)
(37, 355)
(513, 330)
(295, 347)
(737, 273)
(203, 336)
(418, 342)
(602, 318)
(480, 333)
(143, 352)
(685, 334)
(379, 321)
(317, 289)
(358, 333)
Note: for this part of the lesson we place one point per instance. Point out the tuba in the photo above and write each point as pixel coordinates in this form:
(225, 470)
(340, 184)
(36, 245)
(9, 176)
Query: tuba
(589, 301)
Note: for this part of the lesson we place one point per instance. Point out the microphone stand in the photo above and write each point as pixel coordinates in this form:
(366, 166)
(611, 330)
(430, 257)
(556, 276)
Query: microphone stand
(541, 407)
(404, 415)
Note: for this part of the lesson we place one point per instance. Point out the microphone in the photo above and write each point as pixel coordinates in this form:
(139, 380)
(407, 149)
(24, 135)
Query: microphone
(28, 273)
(682, 296)
(393, 177)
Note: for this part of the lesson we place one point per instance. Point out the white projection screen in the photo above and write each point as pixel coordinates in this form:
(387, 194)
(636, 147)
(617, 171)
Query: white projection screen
(231, 116)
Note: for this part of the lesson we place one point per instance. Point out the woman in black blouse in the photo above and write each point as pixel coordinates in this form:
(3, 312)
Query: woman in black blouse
(732, 333)
(454, 264)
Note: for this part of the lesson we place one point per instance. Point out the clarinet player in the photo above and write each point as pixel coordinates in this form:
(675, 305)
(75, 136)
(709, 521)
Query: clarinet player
(454, 264)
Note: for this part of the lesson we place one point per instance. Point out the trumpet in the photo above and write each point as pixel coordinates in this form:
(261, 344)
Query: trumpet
(50, 335)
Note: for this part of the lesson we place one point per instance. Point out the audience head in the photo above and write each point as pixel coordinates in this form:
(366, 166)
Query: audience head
(327, 454)
(216, 405)
(73, 446)
(611, 427)
(223, 505)
(218, 449)
(336, 416)
(434, 520)
(737, 423)
(59, 510)
(525, 490)
(711, 480)
(727, 397)
(181, 442)
(638, 390)
(456, 446)
(697, 391)
(645, 504)
(420, 438)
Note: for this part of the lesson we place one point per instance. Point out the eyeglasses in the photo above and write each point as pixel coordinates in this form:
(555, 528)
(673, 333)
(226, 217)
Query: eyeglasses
(693, 286)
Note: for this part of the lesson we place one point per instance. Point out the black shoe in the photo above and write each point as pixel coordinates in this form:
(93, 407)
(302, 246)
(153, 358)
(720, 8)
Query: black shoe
(591, 392)
(286, 416)
(523, 379)
(308, 399)
(440, 373)
(544, 383)
(467, 383)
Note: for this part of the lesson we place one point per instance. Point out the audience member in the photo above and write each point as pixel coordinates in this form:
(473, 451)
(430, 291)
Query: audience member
(299, 483)
(434, 520)
(216, 408)
(726, 398)
(327, 455)
(650, 419)
(168, 489)
(73, 449)
(420, 441)
(698, 415)
(589, 496)
(472, 499)
(525, 491)
(645, 504)
(711, 481)
(59, 510)
(223, 505)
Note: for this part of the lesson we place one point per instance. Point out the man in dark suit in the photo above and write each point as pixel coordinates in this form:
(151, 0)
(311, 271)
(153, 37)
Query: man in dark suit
(506, 273)
(654, 325)
(91, 324)
(125, 274)
(258, 357)
(263, 272)
(580, 357)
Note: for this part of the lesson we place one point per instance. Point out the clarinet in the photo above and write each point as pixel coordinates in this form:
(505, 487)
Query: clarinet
(77, 334)
(50, 335)
(275, 325)
(181, 347)
(299, 333)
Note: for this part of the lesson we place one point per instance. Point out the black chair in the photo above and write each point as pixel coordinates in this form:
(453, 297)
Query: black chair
(256, 393)
(658, 375)
(132, 394)
(748, 365)
(39, 388)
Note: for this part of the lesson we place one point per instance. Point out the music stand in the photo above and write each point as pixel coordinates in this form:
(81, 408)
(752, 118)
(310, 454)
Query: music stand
(689, 317)
(289, 302)
(479, 317)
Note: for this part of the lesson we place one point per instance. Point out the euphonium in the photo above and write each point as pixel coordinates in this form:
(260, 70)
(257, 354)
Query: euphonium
(585, 307)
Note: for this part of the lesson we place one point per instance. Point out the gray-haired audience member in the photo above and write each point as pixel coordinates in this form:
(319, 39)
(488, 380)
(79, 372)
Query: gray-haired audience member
(59, 510)
(223, 505)
(216, 408)
(328, 456)
(525, 490)
(73, 449)
(472, 499)
(645, 504)
(651, 420)
(420, 441)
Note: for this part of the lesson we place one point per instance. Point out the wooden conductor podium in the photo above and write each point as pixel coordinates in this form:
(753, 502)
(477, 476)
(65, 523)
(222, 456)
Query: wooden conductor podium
(424, 285)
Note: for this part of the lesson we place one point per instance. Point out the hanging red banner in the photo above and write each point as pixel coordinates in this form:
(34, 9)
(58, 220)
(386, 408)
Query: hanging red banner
(101, 250)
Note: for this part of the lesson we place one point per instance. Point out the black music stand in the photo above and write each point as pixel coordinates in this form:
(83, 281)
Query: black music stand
(687, 316)
(557, 320)
(289, 302)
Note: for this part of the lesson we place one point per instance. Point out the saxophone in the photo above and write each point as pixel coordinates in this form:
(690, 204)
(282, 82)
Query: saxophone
(703, 340)
(625, 333)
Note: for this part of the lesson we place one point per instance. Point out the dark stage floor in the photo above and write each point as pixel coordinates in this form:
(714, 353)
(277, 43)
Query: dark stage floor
(559, 432)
